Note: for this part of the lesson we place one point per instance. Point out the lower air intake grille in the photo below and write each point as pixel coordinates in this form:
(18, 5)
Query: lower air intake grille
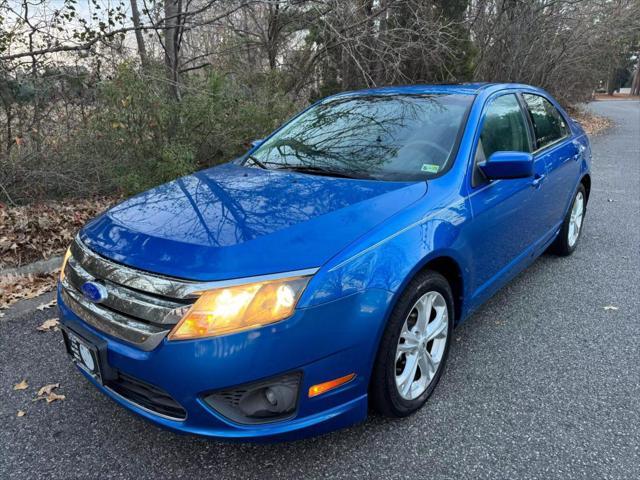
(147, 396)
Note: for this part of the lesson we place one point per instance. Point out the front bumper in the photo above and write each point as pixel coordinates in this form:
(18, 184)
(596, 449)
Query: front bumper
(322, 342)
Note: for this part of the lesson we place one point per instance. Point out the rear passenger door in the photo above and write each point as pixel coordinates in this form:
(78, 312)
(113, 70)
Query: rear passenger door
(554, 146)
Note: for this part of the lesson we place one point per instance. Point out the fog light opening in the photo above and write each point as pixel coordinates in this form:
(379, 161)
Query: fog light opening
(270, 401)
(259, 402)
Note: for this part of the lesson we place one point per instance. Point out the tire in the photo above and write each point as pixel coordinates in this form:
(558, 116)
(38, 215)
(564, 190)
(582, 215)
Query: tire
(391, 367)
(567, 239)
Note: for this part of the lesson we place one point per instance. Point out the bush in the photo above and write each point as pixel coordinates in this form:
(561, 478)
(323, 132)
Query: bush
(146, 137)
(135, 135)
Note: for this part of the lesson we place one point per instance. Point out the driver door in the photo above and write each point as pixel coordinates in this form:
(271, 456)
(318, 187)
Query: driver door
(506, 218)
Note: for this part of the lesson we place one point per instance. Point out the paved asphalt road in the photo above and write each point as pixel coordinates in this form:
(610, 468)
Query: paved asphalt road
(543, 382)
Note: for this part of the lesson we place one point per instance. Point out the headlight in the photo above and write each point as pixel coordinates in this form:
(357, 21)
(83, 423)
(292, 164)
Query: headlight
(242, 307)
(64, 263)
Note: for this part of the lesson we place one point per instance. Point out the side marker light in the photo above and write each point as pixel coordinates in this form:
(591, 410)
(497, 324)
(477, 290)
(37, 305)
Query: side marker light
(321, 388)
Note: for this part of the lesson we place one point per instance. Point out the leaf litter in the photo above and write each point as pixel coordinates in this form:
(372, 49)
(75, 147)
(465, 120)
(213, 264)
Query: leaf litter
(43, 230)
(21, 287)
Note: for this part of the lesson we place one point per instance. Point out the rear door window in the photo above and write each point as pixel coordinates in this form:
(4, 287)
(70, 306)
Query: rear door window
(548, 124)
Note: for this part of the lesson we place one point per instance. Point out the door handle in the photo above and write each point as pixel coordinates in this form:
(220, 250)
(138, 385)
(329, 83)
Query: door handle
(580, 150)
(537, 179)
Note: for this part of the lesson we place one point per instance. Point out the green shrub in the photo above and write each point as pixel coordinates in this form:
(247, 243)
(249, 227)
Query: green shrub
(134, 135)
(146, 137)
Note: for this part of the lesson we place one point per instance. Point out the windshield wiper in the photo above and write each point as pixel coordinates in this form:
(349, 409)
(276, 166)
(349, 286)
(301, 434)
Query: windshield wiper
(257, 162)
(306, 169)
(319, 171)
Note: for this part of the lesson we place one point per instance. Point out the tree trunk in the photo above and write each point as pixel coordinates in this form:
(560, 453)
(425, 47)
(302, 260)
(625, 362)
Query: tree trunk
(171, 47)
(366, 7)
(9, 113)
(611, 82)
(273, 32)
(635, 84)
(135, 17)
(379, 65)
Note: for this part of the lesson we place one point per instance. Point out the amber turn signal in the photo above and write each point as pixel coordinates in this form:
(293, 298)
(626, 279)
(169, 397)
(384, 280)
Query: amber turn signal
(67, 255)
(321, 388)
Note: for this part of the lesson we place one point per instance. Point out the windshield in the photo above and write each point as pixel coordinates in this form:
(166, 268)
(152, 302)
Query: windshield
(386, 137)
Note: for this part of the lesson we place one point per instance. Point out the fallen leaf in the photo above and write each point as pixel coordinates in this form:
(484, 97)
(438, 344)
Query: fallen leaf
(21, 413)
(23, 385)
(47, 393)
(44, 306)
(47, 389)
(47, 325)
(611, 307)
(52, 397)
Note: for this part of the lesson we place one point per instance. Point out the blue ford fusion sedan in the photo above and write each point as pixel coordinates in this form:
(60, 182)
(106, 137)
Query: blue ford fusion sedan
(281, 294)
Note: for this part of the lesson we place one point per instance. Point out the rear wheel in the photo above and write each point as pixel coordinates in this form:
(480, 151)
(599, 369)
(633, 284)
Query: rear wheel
(414, 346)
(571, 229)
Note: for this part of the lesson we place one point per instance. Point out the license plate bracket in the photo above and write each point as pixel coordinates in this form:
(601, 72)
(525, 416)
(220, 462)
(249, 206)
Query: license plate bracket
(89, 354)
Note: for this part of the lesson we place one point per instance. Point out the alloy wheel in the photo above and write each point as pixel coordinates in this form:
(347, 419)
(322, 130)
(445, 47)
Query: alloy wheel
(575, 221)
(421, 345)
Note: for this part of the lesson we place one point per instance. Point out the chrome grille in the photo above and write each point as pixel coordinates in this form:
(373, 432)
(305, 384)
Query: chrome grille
(140, 307)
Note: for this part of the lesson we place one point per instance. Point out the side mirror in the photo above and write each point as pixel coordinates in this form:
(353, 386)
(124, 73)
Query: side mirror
(257, 142)
(508, 165)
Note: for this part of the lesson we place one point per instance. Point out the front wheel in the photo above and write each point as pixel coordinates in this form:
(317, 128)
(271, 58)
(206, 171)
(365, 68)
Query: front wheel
(414, 346)
(571, 229)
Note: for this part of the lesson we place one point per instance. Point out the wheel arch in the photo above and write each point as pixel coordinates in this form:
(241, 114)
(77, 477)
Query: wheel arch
(447, 266)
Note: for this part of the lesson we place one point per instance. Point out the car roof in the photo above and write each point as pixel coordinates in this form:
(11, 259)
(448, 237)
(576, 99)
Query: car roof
(443, 88)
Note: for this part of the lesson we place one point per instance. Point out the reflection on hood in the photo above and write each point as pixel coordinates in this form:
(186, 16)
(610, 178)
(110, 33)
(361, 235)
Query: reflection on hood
(237, 221)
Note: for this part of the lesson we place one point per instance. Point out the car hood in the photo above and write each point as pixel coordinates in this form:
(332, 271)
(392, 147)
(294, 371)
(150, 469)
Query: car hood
(233, 221)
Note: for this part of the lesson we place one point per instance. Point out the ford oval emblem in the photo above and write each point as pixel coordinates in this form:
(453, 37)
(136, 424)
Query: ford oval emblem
(94, 292)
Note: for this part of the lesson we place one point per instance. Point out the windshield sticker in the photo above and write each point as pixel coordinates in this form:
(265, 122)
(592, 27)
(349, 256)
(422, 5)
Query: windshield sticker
(430, 168)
